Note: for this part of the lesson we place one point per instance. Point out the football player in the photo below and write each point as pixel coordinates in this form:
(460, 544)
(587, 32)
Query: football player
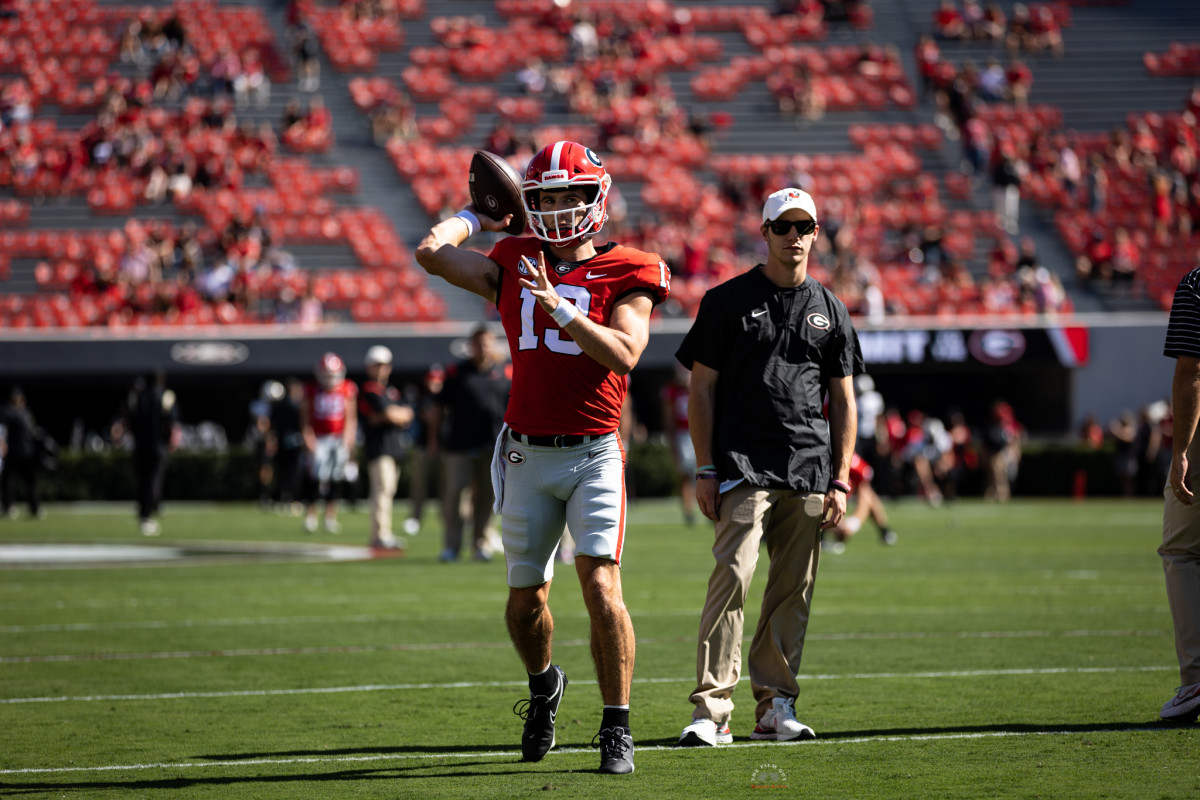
(577, 318)
(329, 421)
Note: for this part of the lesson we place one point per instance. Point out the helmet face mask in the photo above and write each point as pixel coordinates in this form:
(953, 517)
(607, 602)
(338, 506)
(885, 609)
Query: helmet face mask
(330, 371)
(566, 165)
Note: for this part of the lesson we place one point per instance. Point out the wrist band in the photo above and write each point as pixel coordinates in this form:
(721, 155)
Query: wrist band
(707, 468)
(840, 486)
(472, 221)
(564, 312)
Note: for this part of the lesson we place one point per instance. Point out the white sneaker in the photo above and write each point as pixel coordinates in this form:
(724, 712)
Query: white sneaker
(332, 526)
(779, 724)
(705, 733)
(310, 523)
(149, 527)
(412, 526)
(1184, 706)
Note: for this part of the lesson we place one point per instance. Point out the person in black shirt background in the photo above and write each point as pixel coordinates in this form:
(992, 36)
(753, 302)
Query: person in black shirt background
(383, 418)
(153, 421)
(472, 403)
(19, 455)
(289, 446)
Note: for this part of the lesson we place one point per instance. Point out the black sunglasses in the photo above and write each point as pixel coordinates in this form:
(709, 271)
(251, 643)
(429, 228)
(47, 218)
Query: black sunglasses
(780, 227)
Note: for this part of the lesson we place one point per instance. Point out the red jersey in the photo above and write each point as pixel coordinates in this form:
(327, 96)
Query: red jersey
(329, 406)
(556, 388)
(676, 397)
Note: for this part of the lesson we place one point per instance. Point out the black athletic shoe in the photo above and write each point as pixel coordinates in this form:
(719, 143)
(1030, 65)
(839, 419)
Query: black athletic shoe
(616, 751)
(539, 712)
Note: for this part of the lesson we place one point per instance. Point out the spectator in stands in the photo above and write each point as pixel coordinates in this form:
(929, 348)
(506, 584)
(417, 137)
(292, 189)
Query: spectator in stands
(251, 84)
(993, 82)
(929, 58)
(948, 22)
(994, 23)
(1007, 175)
(1091, 433)
(306, 48)
(1097, 185)
(1125, 259)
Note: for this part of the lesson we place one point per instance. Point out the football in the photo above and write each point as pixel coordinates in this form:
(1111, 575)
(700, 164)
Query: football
(496, 189)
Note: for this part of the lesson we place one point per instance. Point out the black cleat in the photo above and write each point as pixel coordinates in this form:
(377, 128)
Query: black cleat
(616, 751)
(539, 712)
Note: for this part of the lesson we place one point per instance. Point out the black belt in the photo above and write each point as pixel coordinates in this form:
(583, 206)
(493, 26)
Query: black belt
(562, 440)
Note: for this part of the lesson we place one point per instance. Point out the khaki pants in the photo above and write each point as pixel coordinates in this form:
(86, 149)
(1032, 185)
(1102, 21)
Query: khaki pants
(382, 477)
(1180, 553)
(462, 472)
(750, 516)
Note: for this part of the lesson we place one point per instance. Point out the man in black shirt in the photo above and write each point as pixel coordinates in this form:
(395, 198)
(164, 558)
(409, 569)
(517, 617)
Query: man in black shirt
(18, 454)
(764, 350)
(383, 418)
(473, 402)
(153, 418)
(289, 446)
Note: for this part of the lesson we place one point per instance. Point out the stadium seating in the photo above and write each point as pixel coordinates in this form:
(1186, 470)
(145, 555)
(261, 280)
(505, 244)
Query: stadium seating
(454, 67)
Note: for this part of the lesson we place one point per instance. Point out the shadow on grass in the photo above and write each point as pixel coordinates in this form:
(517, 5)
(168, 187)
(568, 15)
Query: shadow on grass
(457, 770)
(953, 730)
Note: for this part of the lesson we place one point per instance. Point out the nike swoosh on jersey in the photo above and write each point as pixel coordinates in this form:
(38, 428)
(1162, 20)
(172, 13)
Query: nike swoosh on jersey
(758, 313)
(590, 276)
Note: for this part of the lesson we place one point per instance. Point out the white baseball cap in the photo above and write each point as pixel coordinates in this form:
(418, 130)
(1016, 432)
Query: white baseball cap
(378, 354)
(784, 199)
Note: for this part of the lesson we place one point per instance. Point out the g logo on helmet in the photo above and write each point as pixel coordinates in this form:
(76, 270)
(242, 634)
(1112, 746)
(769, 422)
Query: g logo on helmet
(819, 321)
(592, 157)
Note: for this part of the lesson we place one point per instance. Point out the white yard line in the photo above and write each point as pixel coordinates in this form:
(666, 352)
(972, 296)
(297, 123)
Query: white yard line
(435, 646)
(374, 619)
(257, 762)
(403, 687)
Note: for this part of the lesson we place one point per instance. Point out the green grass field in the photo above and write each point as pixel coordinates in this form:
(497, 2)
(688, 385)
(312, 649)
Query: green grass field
(1020, 651)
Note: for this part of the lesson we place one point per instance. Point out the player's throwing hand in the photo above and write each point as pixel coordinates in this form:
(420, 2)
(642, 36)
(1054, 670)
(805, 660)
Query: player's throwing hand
(539, 283)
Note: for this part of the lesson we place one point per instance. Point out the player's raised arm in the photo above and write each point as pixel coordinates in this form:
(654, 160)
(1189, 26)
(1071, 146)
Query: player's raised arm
(495, 185)
(441, 253)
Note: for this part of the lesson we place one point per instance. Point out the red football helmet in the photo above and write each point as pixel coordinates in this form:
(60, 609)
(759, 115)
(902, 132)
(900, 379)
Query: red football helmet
(559, 166)
(330, 371)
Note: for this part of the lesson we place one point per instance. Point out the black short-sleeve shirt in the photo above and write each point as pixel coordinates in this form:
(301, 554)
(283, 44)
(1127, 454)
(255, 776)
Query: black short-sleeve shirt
(775, 350)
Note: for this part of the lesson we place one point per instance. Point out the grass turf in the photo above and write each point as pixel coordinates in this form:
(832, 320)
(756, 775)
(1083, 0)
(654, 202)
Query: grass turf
(997, 651)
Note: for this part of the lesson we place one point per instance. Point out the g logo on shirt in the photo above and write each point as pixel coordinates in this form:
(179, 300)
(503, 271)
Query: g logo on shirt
(819, 321)
(515, 457)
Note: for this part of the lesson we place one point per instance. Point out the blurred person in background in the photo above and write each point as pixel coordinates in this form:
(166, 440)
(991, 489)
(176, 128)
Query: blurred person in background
(153, 419)
(19, 446)
(675, 425)
(262, 439)
(472, 404)
(329, 422)
(289, 446)
(383, 416)
(1002, 451)
(425, 456)
(868, 505)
